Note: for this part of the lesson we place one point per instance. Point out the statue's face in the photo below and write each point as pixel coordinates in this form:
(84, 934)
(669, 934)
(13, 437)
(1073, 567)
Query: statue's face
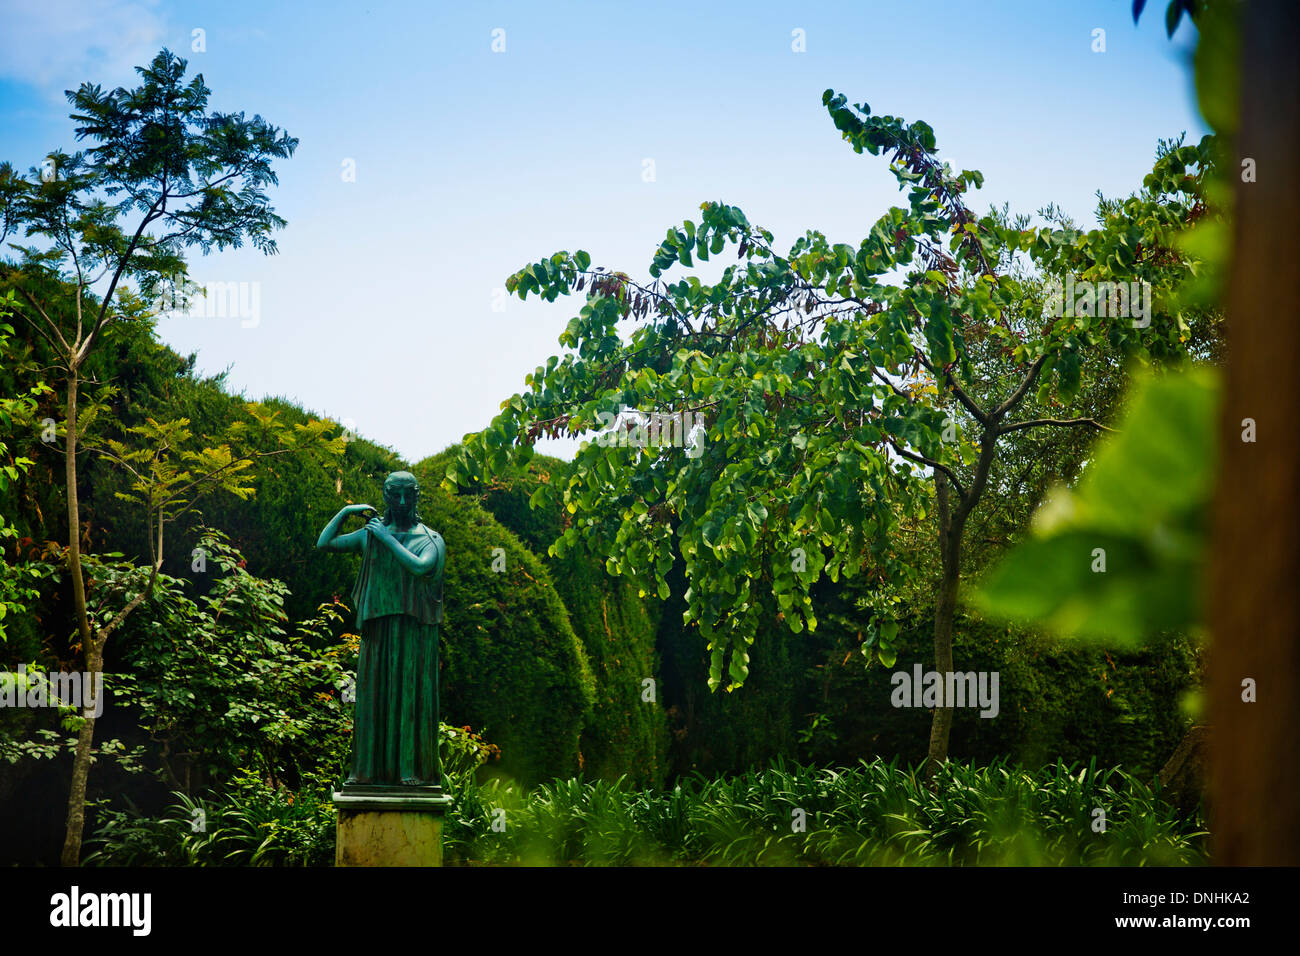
(400, 494)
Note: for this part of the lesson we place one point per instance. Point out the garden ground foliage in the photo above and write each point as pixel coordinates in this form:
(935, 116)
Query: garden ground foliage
(873, 813)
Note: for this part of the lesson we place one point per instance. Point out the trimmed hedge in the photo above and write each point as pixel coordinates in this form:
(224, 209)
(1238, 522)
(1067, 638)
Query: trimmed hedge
(1057, 700)
(626, 734)
(716, 732)
(512, 667)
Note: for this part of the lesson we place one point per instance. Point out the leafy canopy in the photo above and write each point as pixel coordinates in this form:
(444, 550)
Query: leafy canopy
(175, 173)
(835, 381)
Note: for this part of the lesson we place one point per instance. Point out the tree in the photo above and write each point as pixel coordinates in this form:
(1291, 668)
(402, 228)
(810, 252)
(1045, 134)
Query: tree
(842, 407)
(1255, 561)
(165, 175)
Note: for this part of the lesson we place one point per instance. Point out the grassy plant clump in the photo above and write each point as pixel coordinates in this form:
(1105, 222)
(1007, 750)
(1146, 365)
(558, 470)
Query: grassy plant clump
(872, 814)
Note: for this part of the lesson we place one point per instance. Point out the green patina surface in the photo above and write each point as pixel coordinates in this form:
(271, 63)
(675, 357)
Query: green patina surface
(398, 600)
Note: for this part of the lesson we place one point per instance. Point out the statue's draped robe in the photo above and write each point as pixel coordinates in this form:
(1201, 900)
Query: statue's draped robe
(395, 728)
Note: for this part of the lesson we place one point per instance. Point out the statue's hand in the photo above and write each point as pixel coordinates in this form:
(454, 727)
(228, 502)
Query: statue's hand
(377, 527)
(358, 509)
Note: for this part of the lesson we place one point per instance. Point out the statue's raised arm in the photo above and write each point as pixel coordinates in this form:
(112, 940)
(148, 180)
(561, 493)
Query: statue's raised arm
(331, 540)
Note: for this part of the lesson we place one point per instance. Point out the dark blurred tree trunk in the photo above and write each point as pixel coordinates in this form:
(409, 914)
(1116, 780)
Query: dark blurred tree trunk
(1255, 561)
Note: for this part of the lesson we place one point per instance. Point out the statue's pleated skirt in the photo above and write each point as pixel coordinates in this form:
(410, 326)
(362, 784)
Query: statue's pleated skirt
(395, 722)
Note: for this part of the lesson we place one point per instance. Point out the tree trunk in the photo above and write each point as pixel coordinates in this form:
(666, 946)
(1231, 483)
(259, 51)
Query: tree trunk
(1254, 611)
(80, 775)
(944, 610)
(76, 820)
(1183, 776)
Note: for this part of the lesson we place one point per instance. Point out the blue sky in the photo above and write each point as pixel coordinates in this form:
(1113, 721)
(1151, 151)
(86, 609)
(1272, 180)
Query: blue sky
(470, 163)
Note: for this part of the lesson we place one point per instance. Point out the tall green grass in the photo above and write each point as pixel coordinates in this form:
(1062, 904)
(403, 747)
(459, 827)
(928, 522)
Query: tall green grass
(869, 815)
(872, 814)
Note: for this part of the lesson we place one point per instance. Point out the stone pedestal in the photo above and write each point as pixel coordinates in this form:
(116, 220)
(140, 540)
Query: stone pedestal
(390, 826)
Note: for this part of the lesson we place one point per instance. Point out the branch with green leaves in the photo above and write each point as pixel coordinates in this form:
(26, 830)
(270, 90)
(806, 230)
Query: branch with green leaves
(838, 380)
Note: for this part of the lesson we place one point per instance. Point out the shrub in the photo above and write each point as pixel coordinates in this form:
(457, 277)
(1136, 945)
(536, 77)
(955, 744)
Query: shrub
(253, 824)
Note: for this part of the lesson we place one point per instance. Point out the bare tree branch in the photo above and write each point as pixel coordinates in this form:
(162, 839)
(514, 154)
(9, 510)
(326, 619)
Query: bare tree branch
(1020, 392)
(946, 377)
(922, 460)
(1092, 423)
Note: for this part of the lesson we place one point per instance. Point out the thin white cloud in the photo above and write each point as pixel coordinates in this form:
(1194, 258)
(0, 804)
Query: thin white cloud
(56, 45)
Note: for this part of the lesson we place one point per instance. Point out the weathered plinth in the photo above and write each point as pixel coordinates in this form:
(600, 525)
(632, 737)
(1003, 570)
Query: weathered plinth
(390, 826)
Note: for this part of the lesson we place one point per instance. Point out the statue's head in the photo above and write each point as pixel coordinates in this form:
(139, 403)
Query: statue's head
(400, 496)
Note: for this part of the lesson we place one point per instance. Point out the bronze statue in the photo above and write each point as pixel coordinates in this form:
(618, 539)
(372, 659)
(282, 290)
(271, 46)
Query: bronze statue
(398, 599)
